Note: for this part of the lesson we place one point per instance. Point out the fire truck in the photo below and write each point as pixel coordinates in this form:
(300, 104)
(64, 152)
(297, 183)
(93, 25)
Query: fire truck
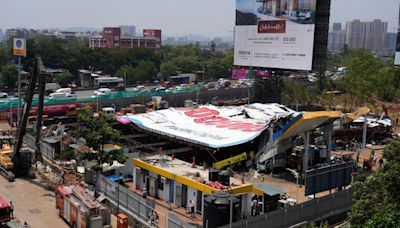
(5, 212)
(78, 208)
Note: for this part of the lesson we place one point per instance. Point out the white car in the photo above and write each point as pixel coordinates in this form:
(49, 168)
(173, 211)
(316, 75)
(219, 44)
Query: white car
(102, 92)
(64, 90)
(54, 96)
(3, 95)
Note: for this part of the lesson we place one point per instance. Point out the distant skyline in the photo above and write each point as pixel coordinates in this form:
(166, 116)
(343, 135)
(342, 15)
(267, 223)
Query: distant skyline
(210, 18)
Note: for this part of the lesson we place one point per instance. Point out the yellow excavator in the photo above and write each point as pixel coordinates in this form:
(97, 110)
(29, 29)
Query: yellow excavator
(5, 157)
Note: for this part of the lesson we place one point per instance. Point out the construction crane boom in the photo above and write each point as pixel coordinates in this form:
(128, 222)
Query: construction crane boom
(230, 161)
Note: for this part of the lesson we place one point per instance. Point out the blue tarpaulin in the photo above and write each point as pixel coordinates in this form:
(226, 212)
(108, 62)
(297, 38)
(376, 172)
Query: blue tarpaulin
(115, 178)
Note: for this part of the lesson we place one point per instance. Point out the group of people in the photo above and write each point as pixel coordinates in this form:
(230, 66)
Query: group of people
(372, 161)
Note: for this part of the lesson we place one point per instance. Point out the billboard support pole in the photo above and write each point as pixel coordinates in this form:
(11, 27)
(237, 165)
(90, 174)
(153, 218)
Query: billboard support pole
(19, 90)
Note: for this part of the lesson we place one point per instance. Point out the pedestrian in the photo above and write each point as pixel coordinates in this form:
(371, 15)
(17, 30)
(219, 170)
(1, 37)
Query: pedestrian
(380, 163)
(144, 194)
(374, 158)
(11, 209)
(191, 208)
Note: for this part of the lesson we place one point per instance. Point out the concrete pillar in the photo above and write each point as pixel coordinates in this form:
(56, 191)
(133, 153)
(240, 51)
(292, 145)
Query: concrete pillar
(306, 150)
(364, 136)
(328, 140)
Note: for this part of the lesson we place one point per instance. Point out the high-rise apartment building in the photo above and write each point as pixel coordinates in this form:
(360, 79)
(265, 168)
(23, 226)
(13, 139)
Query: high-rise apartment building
(337, 27)
(368, 35)
(375, 35)
(355, 34)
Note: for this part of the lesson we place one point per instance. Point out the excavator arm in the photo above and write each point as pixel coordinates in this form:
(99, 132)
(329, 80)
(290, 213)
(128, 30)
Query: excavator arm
(22, 161)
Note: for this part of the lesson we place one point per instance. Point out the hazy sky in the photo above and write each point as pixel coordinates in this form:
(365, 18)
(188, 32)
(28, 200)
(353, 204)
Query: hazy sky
(174, 17)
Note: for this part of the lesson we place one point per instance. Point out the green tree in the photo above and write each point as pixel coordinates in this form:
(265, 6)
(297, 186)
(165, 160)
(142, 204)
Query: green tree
(296, 93)
(97, 132)
(187, 64)
(167, 69)
(376, 198)
(9, 75)
(130, 74)
(4, 55)
(145, 70)
(64, 78)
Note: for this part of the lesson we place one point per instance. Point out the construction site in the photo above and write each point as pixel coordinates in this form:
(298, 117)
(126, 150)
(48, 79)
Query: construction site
(194, 156)
(191, 166)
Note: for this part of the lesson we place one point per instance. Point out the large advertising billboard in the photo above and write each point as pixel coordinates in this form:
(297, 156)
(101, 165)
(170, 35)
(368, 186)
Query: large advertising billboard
(275, 33)
(397, 55)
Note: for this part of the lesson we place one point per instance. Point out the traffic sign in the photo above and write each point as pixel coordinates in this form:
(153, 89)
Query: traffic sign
(19, 47)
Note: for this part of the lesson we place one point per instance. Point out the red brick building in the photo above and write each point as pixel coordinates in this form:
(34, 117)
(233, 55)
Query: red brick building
(112, 38)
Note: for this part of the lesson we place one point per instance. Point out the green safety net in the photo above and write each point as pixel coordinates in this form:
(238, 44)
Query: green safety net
(12, 103)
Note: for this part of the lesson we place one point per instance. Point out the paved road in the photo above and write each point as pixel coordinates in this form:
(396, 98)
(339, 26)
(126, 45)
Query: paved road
(32, 203)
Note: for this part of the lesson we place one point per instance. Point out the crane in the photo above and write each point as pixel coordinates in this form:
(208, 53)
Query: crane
(18, 163)
(233, 161)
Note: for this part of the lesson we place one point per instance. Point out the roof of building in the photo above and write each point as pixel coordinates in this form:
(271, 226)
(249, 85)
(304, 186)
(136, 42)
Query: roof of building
(183, 172)
(269, 190)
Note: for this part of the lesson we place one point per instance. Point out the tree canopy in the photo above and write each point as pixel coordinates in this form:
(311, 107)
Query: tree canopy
(65, 78)
(376, 197)
(140, 64)
(97, 132)
(9, 75)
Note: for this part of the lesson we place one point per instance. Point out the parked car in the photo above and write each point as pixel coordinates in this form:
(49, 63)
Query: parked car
(3, 95)
(102, 92)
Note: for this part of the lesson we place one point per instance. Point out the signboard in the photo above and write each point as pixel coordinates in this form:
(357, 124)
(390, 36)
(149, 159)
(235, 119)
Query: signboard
(211, 126)
(239, 74)
(19, 47)
(275, 33)
(328, 177)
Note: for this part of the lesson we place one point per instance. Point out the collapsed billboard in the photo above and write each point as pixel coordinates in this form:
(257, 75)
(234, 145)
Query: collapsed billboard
(275, 33)
(211, 126)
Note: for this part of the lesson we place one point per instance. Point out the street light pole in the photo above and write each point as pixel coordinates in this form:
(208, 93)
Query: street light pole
(203, 72)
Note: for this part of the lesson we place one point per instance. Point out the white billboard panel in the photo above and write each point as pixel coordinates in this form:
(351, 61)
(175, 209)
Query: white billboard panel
(211, 126)
(275, 33)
